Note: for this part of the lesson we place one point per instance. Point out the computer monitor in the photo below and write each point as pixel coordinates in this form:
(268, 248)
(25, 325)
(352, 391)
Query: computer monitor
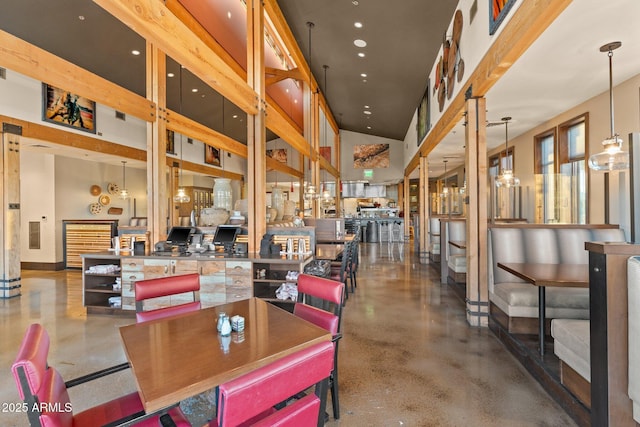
(225, 236)
(179, 236)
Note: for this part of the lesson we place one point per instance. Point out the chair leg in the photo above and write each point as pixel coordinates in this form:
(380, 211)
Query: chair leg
(334, 394)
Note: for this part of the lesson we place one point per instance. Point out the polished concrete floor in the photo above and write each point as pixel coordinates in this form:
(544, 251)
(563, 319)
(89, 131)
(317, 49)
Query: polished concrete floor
(408, 357)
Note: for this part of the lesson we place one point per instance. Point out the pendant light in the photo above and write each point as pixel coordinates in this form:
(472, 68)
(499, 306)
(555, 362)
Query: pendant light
(612, 157)
(181, 196)
(507, 178)
(325, 193)
(124, 193)
(310, 190)
(445, 189)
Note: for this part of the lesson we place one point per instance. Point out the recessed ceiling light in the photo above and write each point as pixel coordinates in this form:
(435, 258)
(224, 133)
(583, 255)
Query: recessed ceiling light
(170, 75)
(295, 101)
(368, 127)
(81, 17)
(360, 43)
(355, 2)
(235, 116)
(364, 80)
(367, 112)
(203, 95)
(363, 74)
(361, 54)
(135, 52)
(229, 15)
(357, 24)
(194, 90)
(367, 107)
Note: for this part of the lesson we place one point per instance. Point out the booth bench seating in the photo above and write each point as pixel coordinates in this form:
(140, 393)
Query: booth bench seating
(633, 294)
(457, 257)
(434, 239)
(571, 343)
(513, 302)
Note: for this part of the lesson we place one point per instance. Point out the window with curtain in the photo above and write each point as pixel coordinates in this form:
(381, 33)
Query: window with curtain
(561, 184)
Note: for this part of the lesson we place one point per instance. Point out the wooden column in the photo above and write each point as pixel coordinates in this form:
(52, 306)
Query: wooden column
(609, 310)
(156, 148)
(10, 279)
(477, 298)
(336, 145)
(404, 204)
(423, 210)
(256, 131)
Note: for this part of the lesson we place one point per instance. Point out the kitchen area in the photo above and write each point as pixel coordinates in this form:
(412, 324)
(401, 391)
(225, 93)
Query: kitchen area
(375, 209)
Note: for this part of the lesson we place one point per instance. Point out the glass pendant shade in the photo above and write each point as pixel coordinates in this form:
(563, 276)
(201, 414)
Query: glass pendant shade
(181, 196)
(507, 179)
(124, 193)
(612, 157)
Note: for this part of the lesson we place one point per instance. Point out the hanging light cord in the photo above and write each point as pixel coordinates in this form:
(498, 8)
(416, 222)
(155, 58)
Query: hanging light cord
(610, 55)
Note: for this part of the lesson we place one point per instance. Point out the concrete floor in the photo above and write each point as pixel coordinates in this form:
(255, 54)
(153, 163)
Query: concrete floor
(407, 358)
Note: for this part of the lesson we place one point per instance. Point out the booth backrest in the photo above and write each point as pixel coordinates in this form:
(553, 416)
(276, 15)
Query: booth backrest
(633, 286)
(544, 244)
(457, 231)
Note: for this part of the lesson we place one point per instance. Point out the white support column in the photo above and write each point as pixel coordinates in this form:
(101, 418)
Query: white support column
(10, 280)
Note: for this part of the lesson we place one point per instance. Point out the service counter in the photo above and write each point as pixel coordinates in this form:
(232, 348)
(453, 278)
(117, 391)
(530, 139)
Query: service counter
(109, 277)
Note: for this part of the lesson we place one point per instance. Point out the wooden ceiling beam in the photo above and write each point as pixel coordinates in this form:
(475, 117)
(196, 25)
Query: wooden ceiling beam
(155, 22)
(75, 140)
(24, 58)
(273, 164)
(185, 126)
(204, 169)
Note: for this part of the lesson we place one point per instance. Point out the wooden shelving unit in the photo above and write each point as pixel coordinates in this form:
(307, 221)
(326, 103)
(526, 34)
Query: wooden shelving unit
(99, 287)
(275, 276)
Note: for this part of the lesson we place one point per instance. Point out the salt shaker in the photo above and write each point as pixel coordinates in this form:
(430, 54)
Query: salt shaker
(221, 317)
(225, 329)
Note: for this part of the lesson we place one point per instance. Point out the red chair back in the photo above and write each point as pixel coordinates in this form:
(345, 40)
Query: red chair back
(167, 286)
(252, 396)
(39, 385)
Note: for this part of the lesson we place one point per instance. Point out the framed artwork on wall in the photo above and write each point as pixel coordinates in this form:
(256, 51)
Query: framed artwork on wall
(371, 156)
(68, 109)
(170, 142)
(424, 114)
(498, 9)
(211, 155)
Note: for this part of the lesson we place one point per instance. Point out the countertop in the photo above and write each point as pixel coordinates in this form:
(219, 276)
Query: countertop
(207, 255)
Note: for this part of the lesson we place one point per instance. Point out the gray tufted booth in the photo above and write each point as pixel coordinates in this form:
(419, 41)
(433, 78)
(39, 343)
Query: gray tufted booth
(633, 289)
(457, 257)
(511, 299)
(434, 239)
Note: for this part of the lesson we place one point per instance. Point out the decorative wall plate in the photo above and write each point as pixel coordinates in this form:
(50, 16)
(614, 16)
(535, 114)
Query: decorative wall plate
(113, 188)
(95, 190)
(95, 208)
(104, 200)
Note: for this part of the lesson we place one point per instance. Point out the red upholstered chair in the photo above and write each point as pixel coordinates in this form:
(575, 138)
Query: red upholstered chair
(167, 286)
(327, 297)
(250, 399)
(342, 271)
(45, 393)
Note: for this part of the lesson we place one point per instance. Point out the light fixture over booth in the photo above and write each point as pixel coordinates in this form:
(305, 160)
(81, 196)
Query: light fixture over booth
(507, 178)
(611, 157)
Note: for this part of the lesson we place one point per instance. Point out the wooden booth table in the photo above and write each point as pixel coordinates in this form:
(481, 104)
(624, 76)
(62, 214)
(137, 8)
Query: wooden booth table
(180, 356)
(543, 275)
(327, 251)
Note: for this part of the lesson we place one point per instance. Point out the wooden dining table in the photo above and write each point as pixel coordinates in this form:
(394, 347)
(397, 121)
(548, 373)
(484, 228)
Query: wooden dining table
(328, 251)
(184, 355)
(543, 275)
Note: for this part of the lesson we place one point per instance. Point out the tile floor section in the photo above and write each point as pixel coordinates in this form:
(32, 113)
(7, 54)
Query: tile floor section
(408, 357)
